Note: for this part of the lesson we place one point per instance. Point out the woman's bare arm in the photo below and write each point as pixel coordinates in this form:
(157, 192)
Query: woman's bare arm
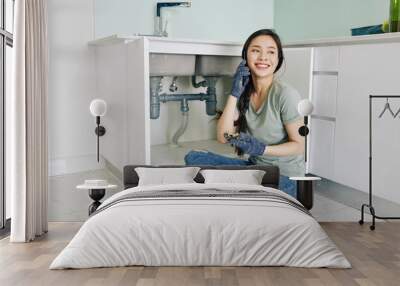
(228, 117)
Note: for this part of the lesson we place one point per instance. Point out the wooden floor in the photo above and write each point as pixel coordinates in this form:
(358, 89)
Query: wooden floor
(374, 255)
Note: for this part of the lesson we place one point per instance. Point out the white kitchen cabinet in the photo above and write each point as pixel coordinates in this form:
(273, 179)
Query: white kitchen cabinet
(364, 70)
(297, 69)
(124, 66)
(123, 70)
(324, 91)
(322, 148)
(322, 125)
(326, 58)
(344, 75)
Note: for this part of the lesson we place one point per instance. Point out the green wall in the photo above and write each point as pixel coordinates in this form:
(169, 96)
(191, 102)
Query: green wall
(297, 20)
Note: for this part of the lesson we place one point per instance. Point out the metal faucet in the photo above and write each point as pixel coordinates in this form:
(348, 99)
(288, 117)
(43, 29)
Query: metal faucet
(160, 27)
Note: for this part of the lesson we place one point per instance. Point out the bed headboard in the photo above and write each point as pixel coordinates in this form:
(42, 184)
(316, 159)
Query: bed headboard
(270, 179)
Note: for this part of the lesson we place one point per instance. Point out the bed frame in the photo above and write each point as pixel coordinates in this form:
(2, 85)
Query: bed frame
(270, 179)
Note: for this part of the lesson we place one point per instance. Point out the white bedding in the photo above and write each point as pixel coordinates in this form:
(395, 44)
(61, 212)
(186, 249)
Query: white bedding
(200, 231)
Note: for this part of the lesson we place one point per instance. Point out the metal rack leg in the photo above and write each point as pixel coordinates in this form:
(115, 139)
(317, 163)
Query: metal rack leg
(361, 221)
(374, 216)
(372, 211)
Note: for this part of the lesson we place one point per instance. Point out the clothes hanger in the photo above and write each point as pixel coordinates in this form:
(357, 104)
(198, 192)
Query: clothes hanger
(397, 113)
(387, 107)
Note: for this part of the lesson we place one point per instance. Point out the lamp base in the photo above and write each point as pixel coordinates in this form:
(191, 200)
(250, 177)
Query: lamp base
(100, 130)
(303, 131)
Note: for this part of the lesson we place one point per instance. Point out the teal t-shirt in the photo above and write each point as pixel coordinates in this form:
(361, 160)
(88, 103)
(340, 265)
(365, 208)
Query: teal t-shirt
(267, 125)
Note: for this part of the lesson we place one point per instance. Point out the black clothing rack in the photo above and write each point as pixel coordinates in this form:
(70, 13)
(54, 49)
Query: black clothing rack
(369, 205)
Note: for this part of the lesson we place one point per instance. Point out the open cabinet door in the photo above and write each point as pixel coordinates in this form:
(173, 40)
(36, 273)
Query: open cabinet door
(122, 80)
(297, 70)
(138, 102)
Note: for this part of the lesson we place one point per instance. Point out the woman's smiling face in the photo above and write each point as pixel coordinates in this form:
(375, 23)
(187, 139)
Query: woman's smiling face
(262, 56)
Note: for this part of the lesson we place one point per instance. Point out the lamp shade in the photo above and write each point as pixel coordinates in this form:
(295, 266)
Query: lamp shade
(98, 107)
(305, 107)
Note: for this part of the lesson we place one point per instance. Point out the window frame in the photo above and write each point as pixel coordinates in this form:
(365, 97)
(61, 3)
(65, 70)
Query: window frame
(6, 39)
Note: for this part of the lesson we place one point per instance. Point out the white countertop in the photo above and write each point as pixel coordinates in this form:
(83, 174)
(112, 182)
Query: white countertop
(349, 40)
(165, 45)
(337, 41)
(116, 38)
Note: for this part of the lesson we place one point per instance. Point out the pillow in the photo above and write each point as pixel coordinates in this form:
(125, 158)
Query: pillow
(249, 177)
(162, 176)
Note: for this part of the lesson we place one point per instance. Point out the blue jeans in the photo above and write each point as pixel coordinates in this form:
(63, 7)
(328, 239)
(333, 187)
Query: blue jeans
(197, 158)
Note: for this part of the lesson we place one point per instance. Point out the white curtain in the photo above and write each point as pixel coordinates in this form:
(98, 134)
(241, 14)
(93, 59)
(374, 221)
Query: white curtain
(26, 117)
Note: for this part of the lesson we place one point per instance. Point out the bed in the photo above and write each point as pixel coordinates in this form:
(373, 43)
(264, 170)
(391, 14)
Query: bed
(198, 224)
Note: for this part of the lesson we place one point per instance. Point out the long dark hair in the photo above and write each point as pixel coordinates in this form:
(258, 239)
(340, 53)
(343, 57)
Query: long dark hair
(244, 100)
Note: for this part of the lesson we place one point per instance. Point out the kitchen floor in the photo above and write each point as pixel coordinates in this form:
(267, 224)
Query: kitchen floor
(326, 210)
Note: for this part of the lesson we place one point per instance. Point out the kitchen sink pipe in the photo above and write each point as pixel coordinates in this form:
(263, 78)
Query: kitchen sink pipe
(156, 97)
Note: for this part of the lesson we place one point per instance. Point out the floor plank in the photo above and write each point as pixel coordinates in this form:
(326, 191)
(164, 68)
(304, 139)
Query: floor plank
(375, 257)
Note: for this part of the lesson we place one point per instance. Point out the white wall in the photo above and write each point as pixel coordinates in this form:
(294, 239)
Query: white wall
(231, 20)
(313, 19)
(71, 86)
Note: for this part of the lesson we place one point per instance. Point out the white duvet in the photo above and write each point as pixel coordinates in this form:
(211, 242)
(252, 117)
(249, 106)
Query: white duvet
(200, 231)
